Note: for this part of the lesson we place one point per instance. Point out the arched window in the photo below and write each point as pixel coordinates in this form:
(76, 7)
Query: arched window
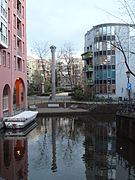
(5, 99)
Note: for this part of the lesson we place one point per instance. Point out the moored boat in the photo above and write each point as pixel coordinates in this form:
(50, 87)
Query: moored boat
(20, 120)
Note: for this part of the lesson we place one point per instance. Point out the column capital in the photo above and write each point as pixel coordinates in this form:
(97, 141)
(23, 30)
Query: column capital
(53, 48)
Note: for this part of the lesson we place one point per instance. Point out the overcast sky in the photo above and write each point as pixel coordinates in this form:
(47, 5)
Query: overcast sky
(61, 21)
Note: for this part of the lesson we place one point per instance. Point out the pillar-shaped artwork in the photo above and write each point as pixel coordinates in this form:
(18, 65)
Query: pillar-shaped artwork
(53, 48)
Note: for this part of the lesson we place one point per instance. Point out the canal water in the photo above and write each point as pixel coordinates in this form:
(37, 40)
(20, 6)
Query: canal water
(67, 148)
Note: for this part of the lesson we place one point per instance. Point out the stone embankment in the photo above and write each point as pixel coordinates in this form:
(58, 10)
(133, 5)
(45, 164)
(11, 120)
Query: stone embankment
(75, 108)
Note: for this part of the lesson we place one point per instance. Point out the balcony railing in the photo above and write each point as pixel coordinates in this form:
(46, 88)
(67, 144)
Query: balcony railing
(88, 81)
(19, 14)
(87, 55)
(19, 33)
(88, 68)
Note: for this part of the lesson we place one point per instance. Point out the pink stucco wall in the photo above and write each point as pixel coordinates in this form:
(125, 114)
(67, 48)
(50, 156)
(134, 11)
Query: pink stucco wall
(8, 75)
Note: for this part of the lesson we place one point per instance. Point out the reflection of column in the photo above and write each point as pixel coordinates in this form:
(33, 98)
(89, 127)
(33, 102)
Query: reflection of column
(53, 48)
(54, 165)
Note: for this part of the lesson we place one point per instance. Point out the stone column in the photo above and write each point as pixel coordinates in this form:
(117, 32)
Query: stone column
(53, 48)
(42, 88)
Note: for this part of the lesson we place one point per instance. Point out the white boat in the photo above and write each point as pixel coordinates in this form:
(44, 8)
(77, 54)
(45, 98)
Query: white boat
(20, 120)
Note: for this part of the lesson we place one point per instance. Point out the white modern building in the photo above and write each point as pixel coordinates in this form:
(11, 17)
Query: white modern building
(105, 69)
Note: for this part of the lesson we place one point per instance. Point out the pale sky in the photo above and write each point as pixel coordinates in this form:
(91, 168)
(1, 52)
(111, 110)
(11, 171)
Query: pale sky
(61, 21)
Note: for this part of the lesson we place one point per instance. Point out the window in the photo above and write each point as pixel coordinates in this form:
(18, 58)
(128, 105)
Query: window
(97, 46)
(104, 45)
(23, 12)
(113, 30)
(19, 64)
(23, 29)
(109, 73)
(100, 31)
(113, 74)
(5, 99)
(8, 60)
(113, 60)
(105, 89)
(108, 59)
(4, 31)
(23, 66)
(104, 30)
(14, 41)
(23, 48)
(8, 15)
(104, 74)
(113, 89)
(97, 33)
(8, 38)
(101, 46)
(108, 30)
(15, 62)
(14, 21)
(4, 8)
(4, 58)
(108, 45)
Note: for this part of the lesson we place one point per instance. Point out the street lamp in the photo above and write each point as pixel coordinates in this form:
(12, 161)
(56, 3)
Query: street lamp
(129, 85)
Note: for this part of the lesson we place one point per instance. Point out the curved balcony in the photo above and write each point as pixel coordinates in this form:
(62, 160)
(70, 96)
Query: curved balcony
(87, 55)
(88, 82)
(88, 68)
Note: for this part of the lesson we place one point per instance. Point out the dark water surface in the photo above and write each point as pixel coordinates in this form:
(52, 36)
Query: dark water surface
(68, 148)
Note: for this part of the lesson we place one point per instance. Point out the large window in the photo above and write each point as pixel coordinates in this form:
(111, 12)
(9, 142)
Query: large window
(104, 30)
(8, 60)
(113, 30)
(4, 58)
(5, 99)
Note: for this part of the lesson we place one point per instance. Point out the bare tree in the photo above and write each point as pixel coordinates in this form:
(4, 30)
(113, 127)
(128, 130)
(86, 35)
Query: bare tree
(66, 66)
(41, 50)
(127, 16)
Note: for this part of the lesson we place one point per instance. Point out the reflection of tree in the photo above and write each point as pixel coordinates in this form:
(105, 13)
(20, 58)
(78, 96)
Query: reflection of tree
(43, 158)
(68, 135)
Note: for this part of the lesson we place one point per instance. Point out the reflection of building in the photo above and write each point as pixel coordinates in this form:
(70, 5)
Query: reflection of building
(126, 159)
(99, 149)
(105, 70)
(13, 159)
(13, 56)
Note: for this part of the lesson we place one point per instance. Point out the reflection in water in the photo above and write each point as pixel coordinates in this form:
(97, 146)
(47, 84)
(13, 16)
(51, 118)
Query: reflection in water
(54, 166)
(63, 148)
(99, 156)
(126, 159)
(13, 158)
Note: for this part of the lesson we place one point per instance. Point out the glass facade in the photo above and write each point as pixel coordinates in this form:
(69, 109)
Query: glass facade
(104, 60)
